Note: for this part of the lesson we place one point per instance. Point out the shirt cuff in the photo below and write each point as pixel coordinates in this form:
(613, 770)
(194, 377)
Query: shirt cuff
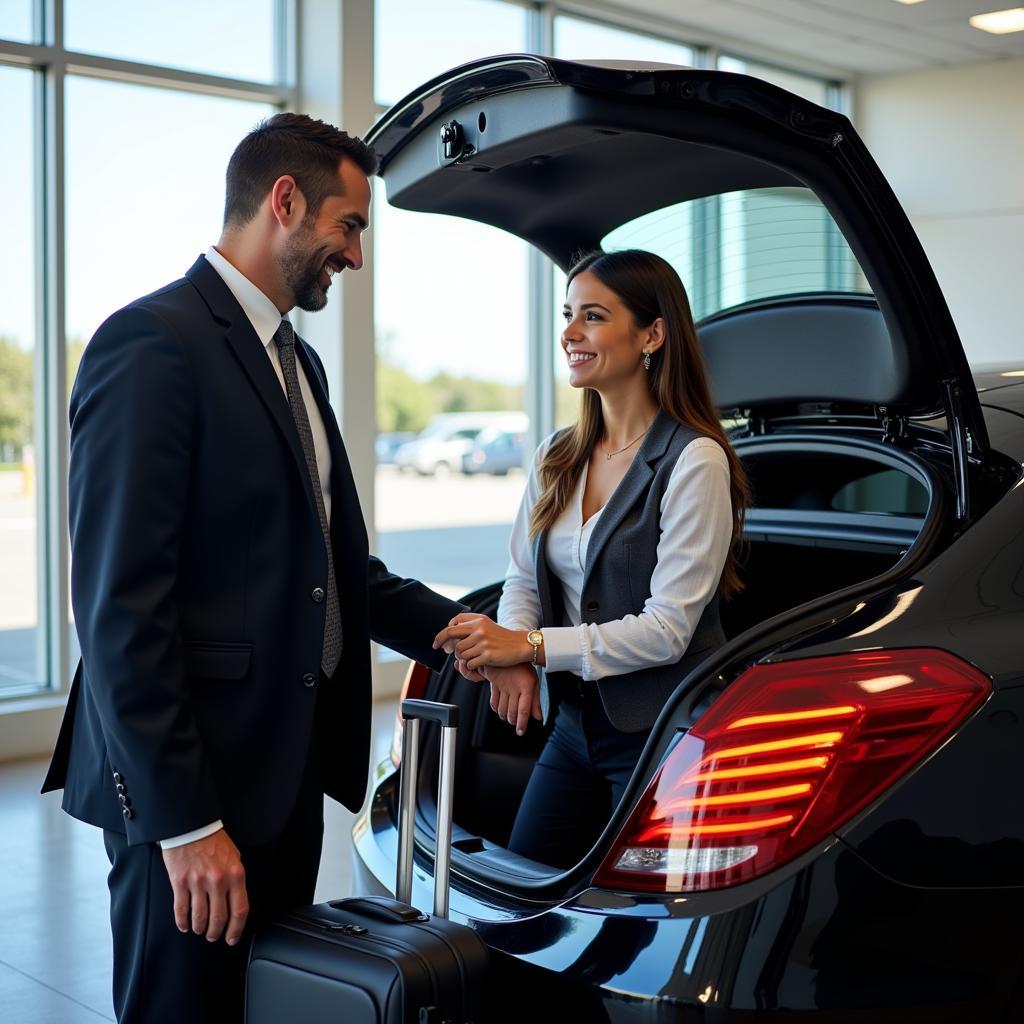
(191, 837)
(563, 649)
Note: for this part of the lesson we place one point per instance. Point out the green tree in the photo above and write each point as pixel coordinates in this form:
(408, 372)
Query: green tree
(471, 394)
(403, 403)
(15, 395)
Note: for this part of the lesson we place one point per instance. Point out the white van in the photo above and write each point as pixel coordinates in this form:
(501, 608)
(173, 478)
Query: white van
(448, 436)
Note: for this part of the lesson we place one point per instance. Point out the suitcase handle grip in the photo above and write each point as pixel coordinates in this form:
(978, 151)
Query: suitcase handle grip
(381, 908)
(448, 717)
(445, 714)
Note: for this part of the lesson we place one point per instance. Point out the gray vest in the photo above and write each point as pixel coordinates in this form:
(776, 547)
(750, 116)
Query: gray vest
(621, 557)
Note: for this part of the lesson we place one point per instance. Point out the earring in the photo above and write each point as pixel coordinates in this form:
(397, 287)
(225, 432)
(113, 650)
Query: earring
(647, 360)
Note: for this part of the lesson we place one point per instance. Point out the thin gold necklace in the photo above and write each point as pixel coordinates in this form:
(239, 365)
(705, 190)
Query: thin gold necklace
(608, 455)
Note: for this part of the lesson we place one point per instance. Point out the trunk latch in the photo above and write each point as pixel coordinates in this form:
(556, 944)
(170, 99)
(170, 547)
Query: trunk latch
(453, 142)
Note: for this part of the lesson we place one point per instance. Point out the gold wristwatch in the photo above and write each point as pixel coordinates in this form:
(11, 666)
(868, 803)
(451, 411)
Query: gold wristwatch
(536, 640)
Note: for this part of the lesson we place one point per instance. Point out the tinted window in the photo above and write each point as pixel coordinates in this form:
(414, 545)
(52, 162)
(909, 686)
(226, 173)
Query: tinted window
(888, 492)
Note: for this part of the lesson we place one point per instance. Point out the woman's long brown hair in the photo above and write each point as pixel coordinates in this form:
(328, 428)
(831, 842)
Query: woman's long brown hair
(650, 288)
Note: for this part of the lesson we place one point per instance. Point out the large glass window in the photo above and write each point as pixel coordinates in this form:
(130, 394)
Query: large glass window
(577, 39)
(451, 307)
(748, 245)
(17, 21)
(232, 38)
(145, 200)
(22, 506)
(814, 89)
(415, 42)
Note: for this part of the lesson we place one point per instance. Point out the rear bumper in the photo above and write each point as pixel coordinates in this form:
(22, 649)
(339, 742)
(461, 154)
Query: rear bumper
(835, 941)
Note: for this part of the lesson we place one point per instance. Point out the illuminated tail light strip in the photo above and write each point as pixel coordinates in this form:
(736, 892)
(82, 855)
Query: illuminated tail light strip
(824, 737)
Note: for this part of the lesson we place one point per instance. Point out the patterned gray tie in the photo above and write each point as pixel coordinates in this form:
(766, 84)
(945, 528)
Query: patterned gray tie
(284, 336)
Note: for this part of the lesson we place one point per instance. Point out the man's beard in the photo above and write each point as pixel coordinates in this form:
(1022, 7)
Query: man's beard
(301, 271)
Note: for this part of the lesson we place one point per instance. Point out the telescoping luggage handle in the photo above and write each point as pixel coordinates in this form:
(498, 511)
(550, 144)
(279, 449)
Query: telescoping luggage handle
(447, 715)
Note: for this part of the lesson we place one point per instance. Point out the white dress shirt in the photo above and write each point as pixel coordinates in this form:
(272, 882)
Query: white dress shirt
(265, 319)
(696, 529)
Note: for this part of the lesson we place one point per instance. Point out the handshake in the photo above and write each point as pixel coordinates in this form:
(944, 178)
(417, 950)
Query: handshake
(487, 652)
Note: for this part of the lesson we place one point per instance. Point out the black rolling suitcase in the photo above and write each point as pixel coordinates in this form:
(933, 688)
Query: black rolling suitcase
(374, 959)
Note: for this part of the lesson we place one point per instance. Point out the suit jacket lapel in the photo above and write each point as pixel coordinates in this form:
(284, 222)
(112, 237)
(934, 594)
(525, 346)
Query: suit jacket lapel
(250, 352)
(632, 486)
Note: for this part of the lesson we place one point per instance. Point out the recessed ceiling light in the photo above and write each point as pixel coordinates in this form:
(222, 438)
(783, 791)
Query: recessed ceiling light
(1000, 22)
(909, 1)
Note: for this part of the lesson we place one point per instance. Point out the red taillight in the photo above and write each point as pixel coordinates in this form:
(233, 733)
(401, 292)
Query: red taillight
(785, 756)
(415, 686)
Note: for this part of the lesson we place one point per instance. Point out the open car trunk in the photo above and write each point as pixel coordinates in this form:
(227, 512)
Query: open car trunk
(829, 514)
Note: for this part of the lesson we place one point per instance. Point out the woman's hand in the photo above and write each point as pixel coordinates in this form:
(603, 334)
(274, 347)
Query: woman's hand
(515, 695)
(479, 641)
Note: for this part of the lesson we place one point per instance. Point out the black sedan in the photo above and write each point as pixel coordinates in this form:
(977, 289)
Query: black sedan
(826, 821)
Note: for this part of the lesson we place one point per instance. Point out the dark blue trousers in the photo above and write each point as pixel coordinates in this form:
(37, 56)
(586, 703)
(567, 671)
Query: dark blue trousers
(578, 779)
(162, 976)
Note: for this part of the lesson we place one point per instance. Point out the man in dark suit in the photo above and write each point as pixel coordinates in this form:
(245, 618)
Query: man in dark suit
(223, 591)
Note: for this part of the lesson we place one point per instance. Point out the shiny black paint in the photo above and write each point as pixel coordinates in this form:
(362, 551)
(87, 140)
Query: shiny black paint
(835, 939)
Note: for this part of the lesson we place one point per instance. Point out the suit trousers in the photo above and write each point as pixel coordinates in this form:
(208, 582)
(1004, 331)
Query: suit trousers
(162, 975)
(578, 779)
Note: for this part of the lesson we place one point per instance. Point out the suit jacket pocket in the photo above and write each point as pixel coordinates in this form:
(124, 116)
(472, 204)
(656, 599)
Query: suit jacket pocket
(211, 659)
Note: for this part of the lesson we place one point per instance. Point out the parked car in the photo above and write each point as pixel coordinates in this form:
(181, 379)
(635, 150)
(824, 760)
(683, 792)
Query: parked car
(825, 824)
(439, 448)
(388, 443)
(496, 450)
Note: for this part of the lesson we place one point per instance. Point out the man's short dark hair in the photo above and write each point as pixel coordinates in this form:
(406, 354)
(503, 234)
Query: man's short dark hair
(295, 144)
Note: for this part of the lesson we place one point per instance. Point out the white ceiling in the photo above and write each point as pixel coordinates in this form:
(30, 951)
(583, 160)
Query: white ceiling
(851, 36)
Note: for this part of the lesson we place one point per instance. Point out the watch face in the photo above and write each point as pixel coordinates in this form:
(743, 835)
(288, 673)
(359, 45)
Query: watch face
(535, 637)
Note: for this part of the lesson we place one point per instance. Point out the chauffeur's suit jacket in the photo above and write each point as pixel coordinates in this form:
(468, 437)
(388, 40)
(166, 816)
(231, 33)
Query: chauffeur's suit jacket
(197, 555)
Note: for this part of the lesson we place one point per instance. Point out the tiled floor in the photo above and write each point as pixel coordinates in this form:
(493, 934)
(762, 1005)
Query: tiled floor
(54, 930)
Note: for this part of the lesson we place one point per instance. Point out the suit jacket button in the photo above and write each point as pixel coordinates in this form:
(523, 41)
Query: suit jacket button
(124, 800)
(128, 814)
(592, 606)
(318, 594)
(120, 788)
(309, 679)
(117, 777)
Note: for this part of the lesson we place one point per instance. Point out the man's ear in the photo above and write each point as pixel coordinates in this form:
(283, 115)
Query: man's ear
(287, 203)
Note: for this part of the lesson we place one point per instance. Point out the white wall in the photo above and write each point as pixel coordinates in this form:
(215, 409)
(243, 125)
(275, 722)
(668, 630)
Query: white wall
(951, 143)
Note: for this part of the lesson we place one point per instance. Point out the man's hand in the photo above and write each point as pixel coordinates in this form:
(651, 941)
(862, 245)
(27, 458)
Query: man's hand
(209, 887)
(515, 695)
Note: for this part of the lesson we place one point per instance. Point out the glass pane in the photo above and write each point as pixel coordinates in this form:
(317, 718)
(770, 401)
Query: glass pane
(416, 42)
(813, 89)
(747, 245)
(17, 21)
(234, 38)
(163, 207)
(576, 39)
(451, 314)
(22, 501)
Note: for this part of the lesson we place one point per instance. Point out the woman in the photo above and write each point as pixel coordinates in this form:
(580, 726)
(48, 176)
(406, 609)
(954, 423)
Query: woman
(623, 543)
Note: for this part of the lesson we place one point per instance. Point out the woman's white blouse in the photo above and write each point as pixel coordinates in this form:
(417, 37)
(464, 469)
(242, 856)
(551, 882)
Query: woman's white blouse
(696, 527)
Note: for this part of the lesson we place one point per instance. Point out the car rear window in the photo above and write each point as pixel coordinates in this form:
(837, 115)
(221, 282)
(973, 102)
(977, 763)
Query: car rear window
(741, 246)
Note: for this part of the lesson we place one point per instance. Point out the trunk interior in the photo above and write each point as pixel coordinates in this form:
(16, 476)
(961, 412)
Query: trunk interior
(826, 514)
